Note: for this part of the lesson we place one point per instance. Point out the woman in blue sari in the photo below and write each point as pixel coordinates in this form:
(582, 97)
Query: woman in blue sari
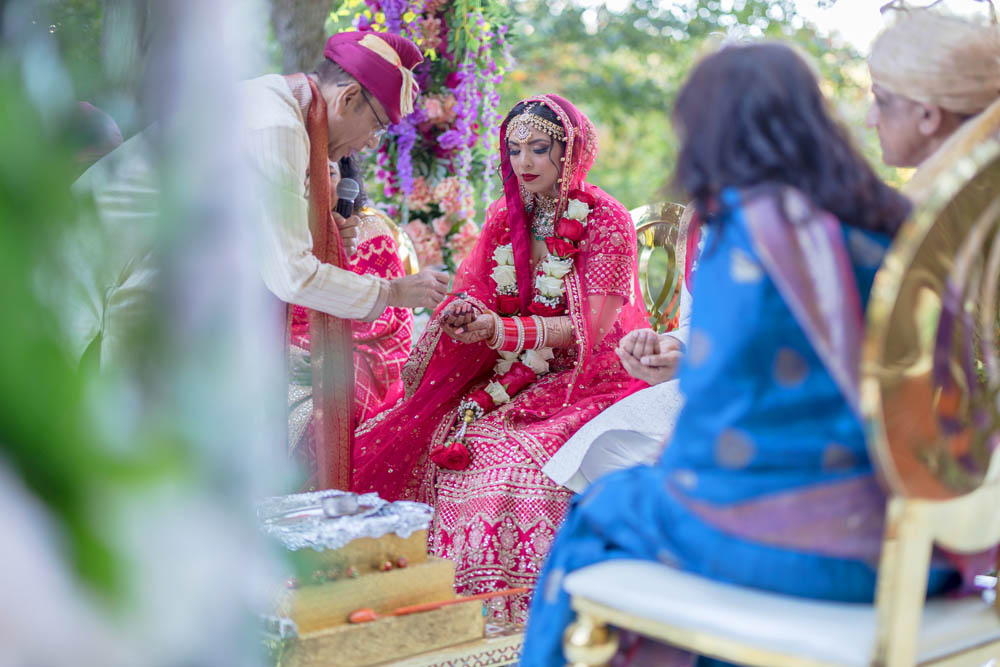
(766, 480)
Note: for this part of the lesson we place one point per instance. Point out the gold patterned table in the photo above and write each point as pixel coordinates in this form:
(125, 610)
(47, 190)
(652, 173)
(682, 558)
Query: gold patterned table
(501, 646)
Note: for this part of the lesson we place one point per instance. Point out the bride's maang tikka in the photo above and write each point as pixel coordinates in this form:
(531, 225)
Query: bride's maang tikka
(521, 125)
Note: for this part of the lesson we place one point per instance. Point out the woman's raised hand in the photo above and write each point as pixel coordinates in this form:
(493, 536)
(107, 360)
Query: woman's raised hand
(649, 357)
(639, 343)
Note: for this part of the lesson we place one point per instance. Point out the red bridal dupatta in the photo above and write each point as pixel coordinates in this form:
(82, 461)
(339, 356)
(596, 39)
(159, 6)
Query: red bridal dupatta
(497, 517)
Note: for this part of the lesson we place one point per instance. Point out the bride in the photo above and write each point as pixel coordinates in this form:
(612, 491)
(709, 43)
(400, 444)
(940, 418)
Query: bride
(515, 362)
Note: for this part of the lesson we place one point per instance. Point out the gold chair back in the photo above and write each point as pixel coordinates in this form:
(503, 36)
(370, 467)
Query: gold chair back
(661, 231)
(930, 379)
(931, 369)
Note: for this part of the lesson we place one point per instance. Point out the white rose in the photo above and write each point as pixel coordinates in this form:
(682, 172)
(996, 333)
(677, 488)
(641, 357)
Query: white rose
(577, 210)
(549, 286)
(534, 360)
(504, 276)
(497, 393)
(504, 255)
(557, 267)
(506, 360)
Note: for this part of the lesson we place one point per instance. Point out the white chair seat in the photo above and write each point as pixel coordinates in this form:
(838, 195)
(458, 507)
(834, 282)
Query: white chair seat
(828, 632)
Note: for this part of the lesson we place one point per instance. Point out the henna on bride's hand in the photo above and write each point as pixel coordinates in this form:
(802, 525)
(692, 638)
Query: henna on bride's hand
(458, 314)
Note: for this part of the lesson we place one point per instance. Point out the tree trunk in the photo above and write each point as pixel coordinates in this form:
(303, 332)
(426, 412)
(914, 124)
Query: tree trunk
(298, 25)
(125, 41)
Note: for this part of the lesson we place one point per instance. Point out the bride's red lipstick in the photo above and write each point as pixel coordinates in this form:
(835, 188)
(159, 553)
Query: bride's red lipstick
(529, 177)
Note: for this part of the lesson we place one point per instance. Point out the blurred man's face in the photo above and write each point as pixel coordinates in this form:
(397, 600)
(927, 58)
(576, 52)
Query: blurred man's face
(908, 131)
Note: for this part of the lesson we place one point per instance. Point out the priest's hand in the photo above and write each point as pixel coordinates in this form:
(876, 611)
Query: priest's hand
(480, 329)
(349, 229)
(425, 289)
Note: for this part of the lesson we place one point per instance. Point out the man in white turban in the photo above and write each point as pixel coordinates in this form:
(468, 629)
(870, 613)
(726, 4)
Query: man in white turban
(936, 83)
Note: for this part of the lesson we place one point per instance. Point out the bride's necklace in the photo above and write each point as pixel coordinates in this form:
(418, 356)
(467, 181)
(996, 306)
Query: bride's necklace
(544, 217)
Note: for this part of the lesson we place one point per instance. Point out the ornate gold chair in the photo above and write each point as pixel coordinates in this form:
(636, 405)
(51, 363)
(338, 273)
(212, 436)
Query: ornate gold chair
(930, 382)
(661, 230)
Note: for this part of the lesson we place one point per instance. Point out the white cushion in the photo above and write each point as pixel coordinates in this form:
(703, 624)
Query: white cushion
(834, 632)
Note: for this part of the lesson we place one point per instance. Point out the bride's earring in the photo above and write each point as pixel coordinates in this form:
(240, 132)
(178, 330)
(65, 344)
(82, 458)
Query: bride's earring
(525, 196)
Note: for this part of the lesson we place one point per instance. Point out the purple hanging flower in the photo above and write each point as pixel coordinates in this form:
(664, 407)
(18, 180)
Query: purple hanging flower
(394, 10)
(466, 82)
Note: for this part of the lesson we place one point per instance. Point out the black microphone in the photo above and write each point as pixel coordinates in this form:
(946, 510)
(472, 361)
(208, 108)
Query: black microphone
(347, 191)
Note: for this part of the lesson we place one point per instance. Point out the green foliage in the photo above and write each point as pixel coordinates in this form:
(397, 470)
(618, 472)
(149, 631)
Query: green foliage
(44, 434)
(76, 26)
(49, 433)
(624, 69)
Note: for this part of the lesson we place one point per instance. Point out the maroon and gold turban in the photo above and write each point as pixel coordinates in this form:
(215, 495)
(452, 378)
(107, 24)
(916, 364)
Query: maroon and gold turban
(381, 62)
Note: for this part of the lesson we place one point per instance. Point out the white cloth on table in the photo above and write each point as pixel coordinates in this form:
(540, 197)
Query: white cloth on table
(111, 267)
(629, 433)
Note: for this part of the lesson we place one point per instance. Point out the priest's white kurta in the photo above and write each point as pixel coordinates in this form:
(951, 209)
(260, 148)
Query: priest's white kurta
(112, 268)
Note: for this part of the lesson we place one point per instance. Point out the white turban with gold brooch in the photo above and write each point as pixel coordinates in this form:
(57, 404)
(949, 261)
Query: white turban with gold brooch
(937, 58)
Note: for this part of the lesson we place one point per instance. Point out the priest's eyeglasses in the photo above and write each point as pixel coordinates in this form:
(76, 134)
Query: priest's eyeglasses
(381, 126)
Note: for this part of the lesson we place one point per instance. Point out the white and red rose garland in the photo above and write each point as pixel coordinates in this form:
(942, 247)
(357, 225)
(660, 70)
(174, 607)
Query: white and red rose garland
(516, 370)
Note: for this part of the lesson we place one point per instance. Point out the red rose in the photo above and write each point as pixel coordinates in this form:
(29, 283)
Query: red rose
(582, 196)
(482, 399)
(452, 455)
(560, 248)
(508, 304)
(569, 229)
(539, 308)
(517, 378)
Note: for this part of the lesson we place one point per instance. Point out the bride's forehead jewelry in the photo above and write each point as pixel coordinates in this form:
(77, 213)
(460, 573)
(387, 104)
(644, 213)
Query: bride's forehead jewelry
(520, 127)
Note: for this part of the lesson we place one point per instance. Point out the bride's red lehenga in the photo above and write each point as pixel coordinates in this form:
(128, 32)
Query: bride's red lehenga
(497, 517)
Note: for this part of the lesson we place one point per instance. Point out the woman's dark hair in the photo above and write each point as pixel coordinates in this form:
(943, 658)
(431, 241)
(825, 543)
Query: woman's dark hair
(542, 111)
(753, 115)
(351, 168)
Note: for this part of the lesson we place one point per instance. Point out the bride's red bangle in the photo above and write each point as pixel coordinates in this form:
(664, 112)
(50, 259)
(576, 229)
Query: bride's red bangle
(530, 333)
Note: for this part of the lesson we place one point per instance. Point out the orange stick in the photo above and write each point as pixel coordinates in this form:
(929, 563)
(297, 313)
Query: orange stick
(428, 606)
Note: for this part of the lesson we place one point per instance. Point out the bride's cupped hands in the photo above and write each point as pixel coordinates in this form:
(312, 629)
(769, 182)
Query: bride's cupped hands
(466, 323)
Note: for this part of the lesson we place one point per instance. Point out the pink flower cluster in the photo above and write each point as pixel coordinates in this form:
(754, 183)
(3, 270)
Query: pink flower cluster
(431, 29)
(462, 242)
(426, 243)
(420, 197)
(440, 109)
(441, 220)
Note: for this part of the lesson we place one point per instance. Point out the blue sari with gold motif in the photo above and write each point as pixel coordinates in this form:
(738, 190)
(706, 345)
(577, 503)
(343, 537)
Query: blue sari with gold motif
(766, 480)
